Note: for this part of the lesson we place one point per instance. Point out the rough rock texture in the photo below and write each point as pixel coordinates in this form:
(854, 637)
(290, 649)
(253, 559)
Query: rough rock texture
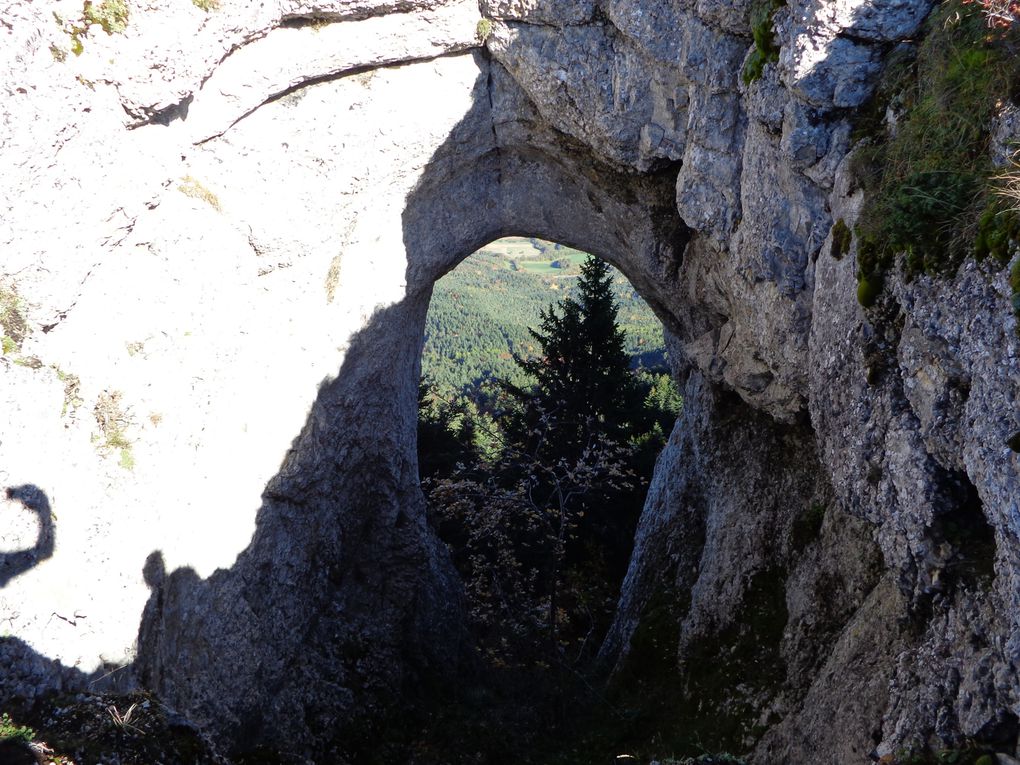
(220, 232)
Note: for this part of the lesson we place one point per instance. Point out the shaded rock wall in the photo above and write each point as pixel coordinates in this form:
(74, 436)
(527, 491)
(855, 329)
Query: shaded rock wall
(221, 231)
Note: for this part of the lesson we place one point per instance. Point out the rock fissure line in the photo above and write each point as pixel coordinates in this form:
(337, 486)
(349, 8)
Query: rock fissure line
(316, 80)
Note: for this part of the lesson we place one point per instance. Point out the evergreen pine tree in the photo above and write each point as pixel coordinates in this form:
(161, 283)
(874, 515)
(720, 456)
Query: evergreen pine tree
(585, 401)
(582, 378)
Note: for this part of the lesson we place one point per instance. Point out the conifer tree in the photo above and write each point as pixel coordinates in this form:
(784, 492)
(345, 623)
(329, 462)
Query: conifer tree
(584, 405)
(582, 377)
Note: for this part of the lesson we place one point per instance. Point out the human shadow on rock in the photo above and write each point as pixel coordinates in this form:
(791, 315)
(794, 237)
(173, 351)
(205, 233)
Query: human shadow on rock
(33, 499)
(343, 605)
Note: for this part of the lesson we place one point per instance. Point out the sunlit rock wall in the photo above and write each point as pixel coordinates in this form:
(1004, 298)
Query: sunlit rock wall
(194, 264)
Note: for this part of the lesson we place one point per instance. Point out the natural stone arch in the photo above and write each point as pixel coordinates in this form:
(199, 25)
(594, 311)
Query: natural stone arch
(536, 181)
(342, 564)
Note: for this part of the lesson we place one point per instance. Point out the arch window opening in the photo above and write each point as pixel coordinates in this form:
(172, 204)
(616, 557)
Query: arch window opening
(545, 400)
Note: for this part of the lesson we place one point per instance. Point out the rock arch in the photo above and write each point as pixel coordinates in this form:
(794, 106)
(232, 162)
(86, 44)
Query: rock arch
(342, 575)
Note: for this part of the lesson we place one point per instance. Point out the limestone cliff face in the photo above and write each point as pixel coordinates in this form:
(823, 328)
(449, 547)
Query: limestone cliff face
(221, 227)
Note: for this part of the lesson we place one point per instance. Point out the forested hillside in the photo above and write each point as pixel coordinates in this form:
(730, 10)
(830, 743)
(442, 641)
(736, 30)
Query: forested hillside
(481, 311)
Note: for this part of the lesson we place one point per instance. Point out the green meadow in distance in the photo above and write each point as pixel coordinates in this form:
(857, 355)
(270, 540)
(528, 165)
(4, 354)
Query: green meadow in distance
(480, 313)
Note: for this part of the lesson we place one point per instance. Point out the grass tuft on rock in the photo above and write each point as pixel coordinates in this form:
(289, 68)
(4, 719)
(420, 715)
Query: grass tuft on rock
(10, 730)
(765, 49)
(192, 187)
(928, 178)
(483, 29)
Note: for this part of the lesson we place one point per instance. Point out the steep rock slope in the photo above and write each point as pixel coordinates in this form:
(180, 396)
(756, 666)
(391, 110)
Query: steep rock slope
(222, 226)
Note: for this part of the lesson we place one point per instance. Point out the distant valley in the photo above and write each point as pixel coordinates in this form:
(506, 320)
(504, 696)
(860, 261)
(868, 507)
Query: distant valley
(481, 311)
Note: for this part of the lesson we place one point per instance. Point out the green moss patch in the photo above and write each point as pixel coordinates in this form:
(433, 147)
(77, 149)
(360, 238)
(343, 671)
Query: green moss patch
(997, 227)
(868, 288)
(842, 237)
(765, 48)
(111, 15)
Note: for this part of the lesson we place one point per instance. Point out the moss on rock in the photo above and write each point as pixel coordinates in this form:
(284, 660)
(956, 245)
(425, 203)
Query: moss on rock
(868, 288)
(765, 48)
(842, 237)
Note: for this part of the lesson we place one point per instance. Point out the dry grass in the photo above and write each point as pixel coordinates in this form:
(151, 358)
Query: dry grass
(191, 187)
(12, 318)
(113, 422)
(1007, 185)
